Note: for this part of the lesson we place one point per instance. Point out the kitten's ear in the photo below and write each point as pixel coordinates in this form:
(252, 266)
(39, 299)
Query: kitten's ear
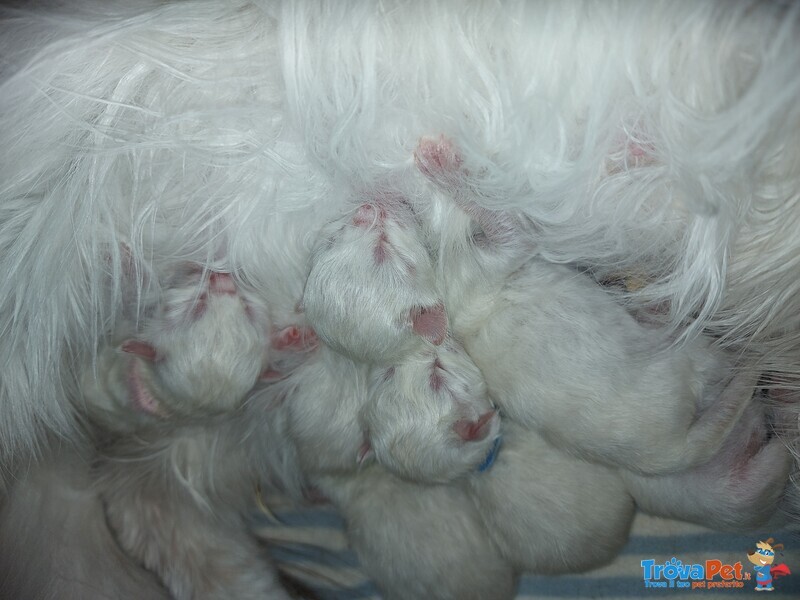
(302, 338)
(430, 322)
(474, 431)
(141, 349)
(365, 454)
(270, 375)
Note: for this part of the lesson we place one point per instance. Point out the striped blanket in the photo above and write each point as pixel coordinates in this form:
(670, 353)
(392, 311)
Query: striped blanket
(309, 544)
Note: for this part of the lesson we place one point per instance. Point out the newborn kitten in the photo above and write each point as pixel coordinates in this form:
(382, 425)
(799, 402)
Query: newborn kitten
(535, 509)
(549, 512)
(559, 356)
(203, 347)
(371, 292)
(429, 418)
(419, 541)
(739, 488)
(175, 473)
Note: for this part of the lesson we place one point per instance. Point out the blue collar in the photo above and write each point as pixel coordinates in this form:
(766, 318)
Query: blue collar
(491, 455)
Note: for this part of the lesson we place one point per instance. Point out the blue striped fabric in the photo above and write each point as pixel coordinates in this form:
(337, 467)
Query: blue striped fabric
(310, 545)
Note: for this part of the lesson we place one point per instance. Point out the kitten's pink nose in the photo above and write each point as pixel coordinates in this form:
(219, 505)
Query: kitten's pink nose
(221, 283)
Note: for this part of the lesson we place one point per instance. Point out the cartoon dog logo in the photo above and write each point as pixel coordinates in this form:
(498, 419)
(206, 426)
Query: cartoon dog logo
(762, 557)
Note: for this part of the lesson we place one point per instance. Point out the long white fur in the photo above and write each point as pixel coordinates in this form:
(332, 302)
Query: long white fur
(173, 123)
(182, 127)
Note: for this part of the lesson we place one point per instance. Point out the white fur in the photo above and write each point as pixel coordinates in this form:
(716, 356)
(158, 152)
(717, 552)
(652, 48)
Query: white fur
(55, 543)
(370, 280)
(210, 350)
(322, 408)
(163, 478)
(211, 361)
(182, 126)
(417, 409)
(419, 541)
(739, 488)
(548, 512)
(186, 127)
(175, 501)
(560, 356)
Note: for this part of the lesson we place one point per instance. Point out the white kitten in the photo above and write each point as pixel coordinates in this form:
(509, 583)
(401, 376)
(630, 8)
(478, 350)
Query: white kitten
(561, 357)
(371, 292)
(176, 473)
(202, 349)
(419, 541)
(739, 488)
(549, 512)
(429, 417)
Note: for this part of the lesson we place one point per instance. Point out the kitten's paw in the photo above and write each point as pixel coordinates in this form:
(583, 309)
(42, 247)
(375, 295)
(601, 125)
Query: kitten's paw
(437, 158)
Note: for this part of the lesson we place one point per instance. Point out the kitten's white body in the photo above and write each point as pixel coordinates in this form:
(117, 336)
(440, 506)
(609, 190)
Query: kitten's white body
(55, 541)
(429, 417)
(371, 291)
(668, 153)
(548, 512)
(176, 500)
(419, 541)
(171, 457)
(169, 124)
(561, 357)
(741, 487)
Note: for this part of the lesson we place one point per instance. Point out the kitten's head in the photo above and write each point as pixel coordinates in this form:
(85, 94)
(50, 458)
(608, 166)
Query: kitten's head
(203, 350)
(430, 418)
(371, 293)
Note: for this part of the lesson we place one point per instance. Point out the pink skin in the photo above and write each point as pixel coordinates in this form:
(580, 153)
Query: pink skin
(428, 322)
(294, 340)
(439, 160)
(469, 431)
(634, 153)
(474, 431)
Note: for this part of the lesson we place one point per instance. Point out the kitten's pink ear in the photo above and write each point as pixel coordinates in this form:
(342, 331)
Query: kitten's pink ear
(365, 453)
(473, 431)
(296, 338)
(270, 375)
(139, 348)
(430, 322)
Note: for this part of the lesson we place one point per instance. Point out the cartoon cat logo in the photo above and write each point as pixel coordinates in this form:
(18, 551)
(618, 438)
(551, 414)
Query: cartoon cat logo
(762, 558)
